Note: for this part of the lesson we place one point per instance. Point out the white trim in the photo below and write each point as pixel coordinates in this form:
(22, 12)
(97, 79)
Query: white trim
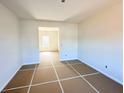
(31, 63)
(65, 59)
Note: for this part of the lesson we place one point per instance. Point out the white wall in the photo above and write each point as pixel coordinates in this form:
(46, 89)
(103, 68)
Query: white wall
(29, 37)
(9, 46)
(100, 42)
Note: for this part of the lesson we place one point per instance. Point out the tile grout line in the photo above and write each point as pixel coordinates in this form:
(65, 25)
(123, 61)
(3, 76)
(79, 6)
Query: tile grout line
(83, 78)
(90, 85)
(46, 67)
(32, 79)
(45, 83)
(90, 74)
(57, 77)
(69, 78)
(15, 88)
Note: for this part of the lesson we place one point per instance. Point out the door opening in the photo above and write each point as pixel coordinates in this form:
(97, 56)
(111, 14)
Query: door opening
(48, 39)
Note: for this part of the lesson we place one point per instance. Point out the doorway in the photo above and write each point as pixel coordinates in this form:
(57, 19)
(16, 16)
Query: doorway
(48, 39)
(48, 44)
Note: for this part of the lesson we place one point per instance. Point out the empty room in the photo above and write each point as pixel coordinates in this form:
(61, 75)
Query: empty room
(61, 46)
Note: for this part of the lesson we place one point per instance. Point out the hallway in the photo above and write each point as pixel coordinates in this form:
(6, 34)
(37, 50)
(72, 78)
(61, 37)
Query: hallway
(53, 76)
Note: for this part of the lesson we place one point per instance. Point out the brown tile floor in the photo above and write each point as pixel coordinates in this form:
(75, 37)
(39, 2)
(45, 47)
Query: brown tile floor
(53, 76)
(44, 75)
(65, 72)
(104, 84)
(25, 67)
(46, 88)
(22, 78)
(77, 85)
(83, 69)
(21, 90)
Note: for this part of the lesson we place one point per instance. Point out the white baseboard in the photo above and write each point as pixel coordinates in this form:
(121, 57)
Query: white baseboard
(10, 78)
(113, 78)
(65, 59)
(30, 63)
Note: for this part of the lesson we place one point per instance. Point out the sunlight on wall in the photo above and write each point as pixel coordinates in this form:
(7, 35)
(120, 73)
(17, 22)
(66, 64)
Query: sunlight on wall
(45, 42)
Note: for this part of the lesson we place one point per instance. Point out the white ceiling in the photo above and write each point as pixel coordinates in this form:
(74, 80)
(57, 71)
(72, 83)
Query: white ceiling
(54, 10)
